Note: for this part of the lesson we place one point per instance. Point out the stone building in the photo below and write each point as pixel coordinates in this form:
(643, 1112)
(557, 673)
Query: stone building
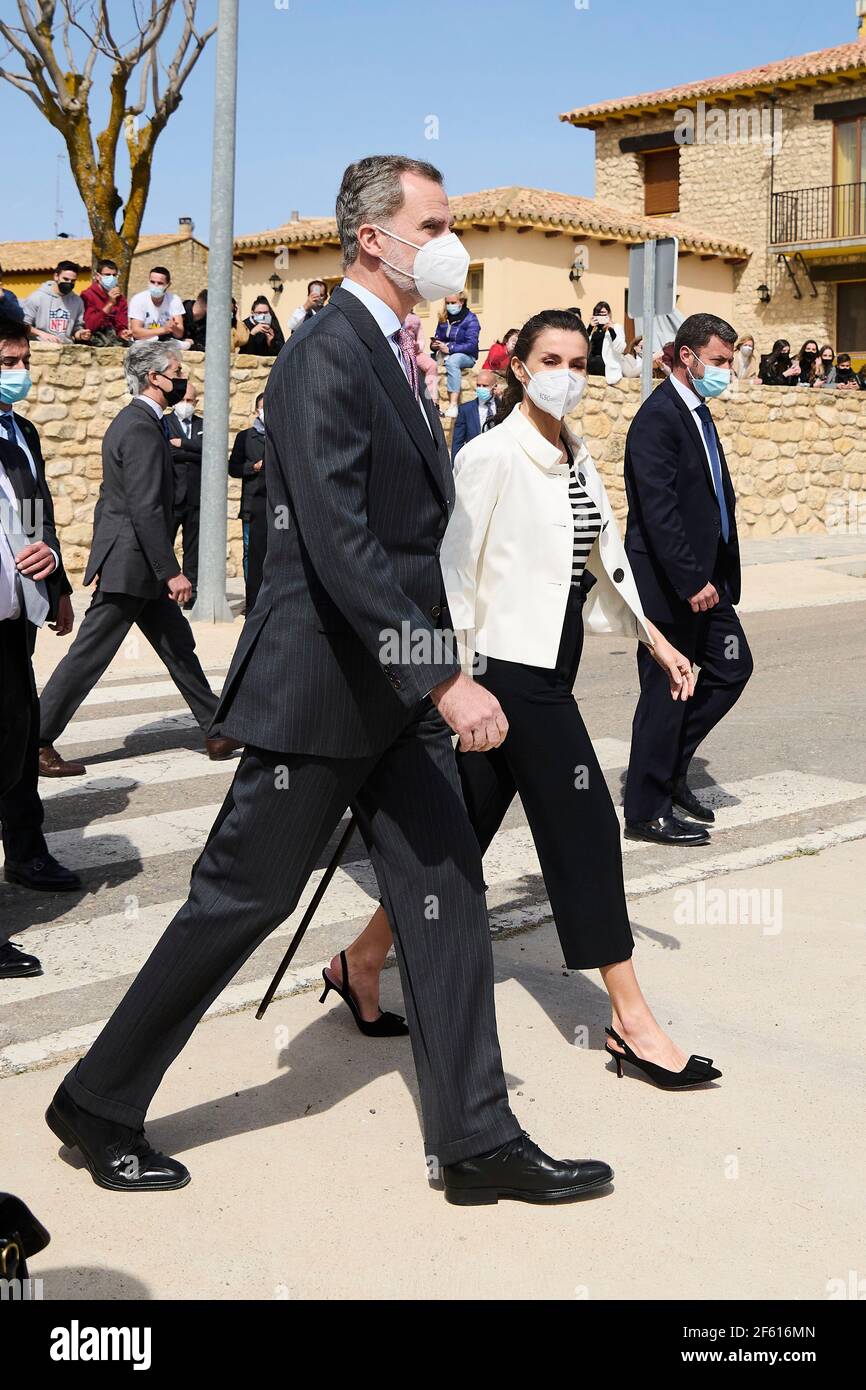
(775, 156)
(27, 264)
(524, 246)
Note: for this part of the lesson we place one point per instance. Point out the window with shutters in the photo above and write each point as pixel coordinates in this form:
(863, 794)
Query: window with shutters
(662, 181)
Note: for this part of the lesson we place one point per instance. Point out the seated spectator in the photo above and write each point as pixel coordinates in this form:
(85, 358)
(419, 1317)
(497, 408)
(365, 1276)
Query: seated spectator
(10, 309)
(240, 332)
(195, 323)
(776, 368)
(55, 312)
(157, 312)
(807, 359)
(631, 361)
(606, 344)
(317, 294)
(475, 416)
(846, 377)
(266, 336)
(456, 341)
(106, 311)
(745, 368)
(663, 362)
(827, 366)
(501, 353)
(426, 364)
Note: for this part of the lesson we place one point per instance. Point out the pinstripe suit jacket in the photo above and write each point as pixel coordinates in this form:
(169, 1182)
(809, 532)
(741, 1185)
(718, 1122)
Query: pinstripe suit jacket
(359, 495)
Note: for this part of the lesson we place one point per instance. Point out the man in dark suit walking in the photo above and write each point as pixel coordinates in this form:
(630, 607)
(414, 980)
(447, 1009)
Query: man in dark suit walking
(681, 540)
(247, 462)
(186, 433)
(33, 588)
(132, 558)
(475, 416)
(344, 687)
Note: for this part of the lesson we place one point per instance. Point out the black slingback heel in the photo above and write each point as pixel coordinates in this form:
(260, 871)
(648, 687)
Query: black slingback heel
(696, 1071)
(385, 1026)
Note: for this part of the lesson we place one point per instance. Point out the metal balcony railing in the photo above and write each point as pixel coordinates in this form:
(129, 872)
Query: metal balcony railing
(827, 213)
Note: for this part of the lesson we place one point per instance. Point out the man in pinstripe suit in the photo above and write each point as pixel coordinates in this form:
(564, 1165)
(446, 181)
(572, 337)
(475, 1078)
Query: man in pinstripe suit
(335, 705)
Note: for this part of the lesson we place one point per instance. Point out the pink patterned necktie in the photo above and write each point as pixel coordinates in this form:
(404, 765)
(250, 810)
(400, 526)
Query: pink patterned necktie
(408, 346)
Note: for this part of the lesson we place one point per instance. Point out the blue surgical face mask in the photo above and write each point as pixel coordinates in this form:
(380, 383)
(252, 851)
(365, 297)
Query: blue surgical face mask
(483, 393)
(15, 383)
(453, 308)
(108, 281)
(713, 382)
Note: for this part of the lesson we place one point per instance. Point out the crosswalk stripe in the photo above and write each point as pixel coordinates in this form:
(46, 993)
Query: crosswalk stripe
(144, 690)
(118, 726)
(125, 774)
(747, 802)
(33, 1052)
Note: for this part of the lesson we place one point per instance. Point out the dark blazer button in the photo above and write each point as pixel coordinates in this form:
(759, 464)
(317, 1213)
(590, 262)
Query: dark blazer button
(618, 576)
(435, 611)
(581, 479)
(397, 683)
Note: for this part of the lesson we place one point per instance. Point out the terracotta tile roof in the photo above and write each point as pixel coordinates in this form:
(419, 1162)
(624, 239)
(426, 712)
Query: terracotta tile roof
(44, 255)
(515, 205)
(845, 58)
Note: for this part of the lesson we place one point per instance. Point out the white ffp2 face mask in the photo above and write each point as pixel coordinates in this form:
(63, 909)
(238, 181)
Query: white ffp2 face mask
(557, 391)
(439, 267)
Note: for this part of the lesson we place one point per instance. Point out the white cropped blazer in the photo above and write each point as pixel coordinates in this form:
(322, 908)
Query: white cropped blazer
(507, 551)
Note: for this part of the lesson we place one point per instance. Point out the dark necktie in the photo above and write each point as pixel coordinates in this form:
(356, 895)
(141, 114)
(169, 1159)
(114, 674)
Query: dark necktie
(706, 419)
(165, 429)
(8, 425)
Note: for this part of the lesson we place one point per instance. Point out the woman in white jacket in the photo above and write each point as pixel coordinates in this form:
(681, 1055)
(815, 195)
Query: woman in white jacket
(531, 557)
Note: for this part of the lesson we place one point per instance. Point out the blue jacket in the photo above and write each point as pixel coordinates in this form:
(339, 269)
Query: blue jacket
(462, 335)
(10, 308)
(466, 426)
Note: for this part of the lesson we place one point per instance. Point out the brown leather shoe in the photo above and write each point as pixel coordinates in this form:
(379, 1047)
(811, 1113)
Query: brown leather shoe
(220, 748)
(52, 765)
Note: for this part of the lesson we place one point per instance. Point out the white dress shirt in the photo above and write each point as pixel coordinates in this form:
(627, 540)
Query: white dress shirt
(693, 400)
(10, 604)
(389, 324)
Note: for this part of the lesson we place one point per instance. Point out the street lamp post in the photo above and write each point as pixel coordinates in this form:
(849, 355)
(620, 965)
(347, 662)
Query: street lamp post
(211, 604)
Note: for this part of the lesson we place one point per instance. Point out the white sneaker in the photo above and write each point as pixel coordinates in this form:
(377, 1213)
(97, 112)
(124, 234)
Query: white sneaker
(451, 413)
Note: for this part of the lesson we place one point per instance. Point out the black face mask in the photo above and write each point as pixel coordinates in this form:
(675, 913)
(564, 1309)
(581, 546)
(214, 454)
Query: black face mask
(178, 389)
(809, 356)
(65, 286)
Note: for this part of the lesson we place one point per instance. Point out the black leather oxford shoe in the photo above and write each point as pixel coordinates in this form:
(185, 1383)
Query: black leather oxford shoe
(43, 874)
(688, 802)
(15, 963)
(666, 830)
(118, 1158)
(521, 1171)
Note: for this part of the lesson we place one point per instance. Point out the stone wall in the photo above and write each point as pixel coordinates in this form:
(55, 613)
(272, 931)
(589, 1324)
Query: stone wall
(76, 393)
(797, 457)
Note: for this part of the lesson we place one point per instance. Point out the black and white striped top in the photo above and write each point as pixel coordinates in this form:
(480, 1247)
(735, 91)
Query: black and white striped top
(587, 520)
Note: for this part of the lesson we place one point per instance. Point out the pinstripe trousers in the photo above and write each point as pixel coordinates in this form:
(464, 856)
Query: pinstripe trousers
(274, 824)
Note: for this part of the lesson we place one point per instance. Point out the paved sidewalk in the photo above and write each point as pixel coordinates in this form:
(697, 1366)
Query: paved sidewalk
(308, 1169)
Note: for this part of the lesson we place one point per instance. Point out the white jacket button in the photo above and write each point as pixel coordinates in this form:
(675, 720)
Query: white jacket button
(618, 576)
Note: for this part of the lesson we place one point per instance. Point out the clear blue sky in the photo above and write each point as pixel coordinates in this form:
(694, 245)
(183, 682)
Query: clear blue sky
(327, 81)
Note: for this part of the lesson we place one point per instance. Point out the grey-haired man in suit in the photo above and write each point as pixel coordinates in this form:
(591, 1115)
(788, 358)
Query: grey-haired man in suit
(344, 691)
(138, 579)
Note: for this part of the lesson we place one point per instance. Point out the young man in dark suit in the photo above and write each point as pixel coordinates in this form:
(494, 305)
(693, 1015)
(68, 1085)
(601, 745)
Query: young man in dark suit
(186, 433)
(132, 559)
(33, 588)
(345, 689)
(681, 540)
(475, 416)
